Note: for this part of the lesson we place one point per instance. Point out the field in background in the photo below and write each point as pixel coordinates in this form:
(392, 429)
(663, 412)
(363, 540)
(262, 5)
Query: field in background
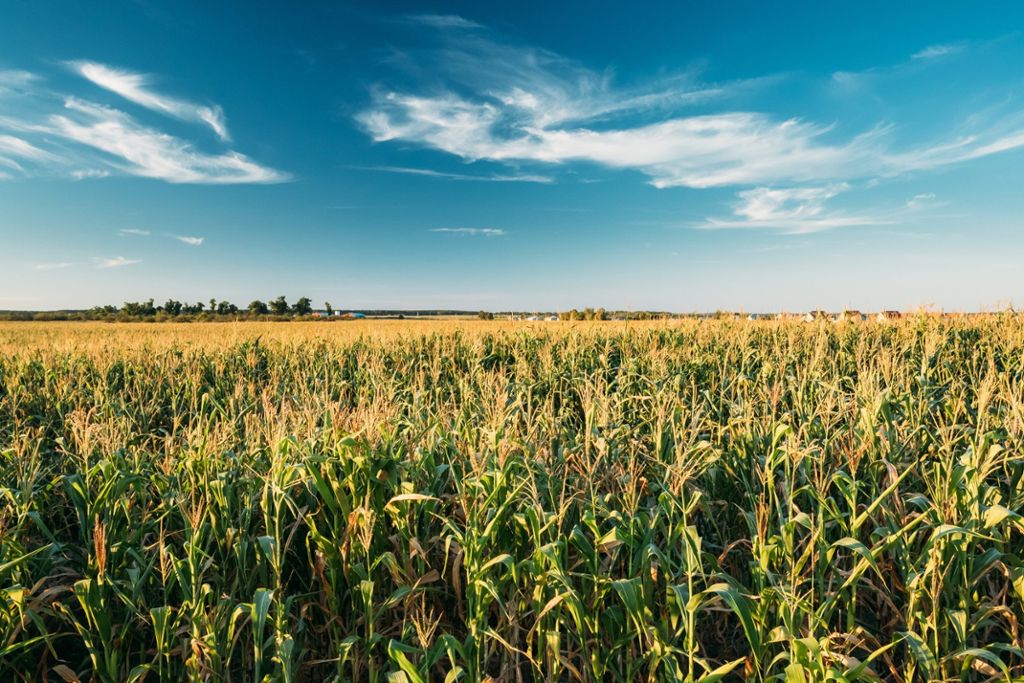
(425, 500)
(99, 336)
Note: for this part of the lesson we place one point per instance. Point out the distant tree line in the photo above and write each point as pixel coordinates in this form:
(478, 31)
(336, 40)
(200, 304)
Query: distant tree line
(585, 314)
(281, 309)
(602, 314)
(172, 309)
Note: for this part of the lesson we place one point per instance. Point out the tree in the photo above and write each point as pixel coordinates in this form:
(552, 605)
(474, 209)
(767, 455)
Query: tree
(303, 306)
(327, 307)
(485, 315)
(226, 308)
(257, 307)
(213, 304)
(279, 306)
(172, 307)
(132, 308)
(137, 309)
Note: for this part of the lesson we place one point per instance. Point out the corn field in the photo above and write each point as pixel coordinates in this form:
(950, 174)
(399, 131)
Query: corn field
(687, 501)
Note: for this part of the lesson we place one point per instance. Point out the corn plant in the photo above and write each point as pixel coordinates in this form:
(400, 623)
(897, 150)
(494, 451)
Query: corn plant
(690, 501)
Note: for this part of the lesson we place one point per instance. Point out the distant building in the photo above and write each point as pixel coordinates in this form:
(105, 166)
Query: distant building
(850, 316)
(816, 315)
(888, 315)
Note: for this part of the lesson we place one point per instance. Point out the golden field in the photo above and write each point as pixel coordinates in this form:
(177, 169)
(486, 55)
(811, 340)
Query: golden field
(411, 501)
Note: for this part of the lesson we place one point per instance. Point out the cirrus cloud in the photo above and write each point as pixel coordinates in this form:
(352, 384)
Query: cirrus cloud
(43, 132)
(134, 88)
(114, 262)
(481, 99)
(472, 232)
(142, 151)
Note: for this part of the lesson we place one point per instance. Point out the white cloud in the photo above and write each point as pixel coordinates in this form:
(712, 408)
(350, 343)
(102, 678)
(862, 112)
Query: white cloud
(698, 151)
(731, 148)
(14, 152)
(443, 21)
(115, 262)
(862, 83)
(148, 153)
(85, 173)
(47, 133)
(765, 203)
(12, 81)
(15, 77)
(934, 51)
(132, 232)
(921, 200)
(20, 148)
(795, 210)
(497, 178)
(192, 241)
(802, 210)
(53, 266)
(133, 87)
(496, 102)
(473, 232)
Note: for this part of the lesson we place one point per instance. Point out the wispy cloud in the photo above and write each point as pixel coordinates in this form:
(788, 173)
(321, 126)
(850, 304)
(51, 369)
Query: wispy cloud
(134, 87)
(15, 77)
(495, 178)
(473, 232)
(443, 21)
(145, 152)
(14, 152)
(524, 105)
(795, 210)
(115, 262)
(184, 239)
(934, 51)
(863, 82)
(20, 148)
(804, 210)
(44, 132)
(921, 200)
(53, 266)
(86, 173)
(12, 81)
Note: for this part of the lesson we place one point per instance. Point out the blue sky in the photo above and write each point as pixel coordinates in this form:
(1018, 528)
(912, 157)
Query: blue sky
(693, 156)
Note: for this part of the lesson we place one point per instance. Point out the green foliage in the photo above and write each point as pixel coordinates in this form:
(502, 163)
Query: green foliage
(279, 306)
(695, 502)
(303, 306)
